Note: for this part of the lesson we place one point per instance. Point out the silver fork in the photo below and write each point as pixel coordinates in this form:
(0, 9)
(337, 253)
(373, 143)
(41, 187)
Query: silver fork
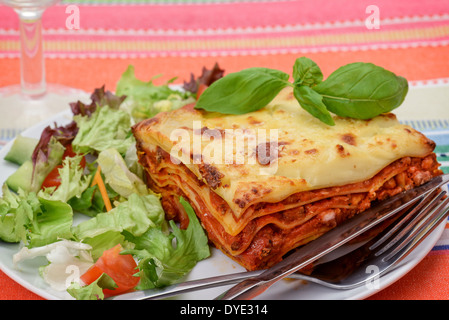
(414, 225)
(386, 250)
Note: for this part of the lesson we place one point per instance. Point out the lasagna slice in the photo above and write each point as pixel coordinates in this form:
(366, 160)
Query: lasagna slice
(266, 182)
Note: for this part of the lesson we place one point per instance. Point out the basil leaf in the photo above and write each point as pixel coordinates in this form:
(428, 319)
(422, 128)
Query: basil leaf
(306, 72)
(244, 91)
(362, 91)
(312, 102)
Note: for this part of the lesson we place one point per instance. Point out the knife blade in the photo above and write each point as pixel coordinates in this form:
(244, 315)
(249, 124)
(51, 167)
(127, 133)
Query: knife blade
(331, 240)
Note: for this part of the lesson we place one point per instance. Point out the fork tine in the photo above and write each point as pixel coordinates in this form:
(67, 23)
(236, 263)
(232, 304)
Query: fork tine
(418, 233)
(411, 212)
(330, 274)
(413, 217)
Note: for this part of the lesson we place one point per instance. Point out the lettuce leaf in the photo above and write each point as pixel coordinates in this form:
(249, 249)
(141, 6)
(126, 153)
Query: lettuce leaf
(134, 216)
(90, 292)
(106, 241)
(103, 129)
(33, 220)
(138, 224)
(52, 221)
(145, 100)
(73, 181)
(16, 214)
(99, 98)
(118, 176)
(162, 261)
(208, 76)
(93, 291)
(44, 161)
(49, 151)
(89, 203)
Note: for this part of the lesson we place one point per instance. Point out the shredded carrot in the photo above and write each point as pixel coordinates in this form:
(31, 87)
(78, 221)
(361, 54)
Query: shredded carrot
(97, 180)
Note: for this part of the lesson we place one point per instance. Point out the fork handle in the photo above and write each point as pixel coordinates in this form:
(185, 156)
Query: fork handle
(187, 286)
(245, 290)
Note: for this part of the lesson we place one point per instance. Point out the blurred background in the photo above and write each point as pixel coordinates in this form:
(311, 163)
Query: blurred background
(88, 43)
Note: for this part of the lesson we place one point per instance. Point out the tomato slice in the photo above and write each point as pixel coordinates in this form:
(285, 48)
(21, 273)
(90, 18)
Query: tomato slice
(70, 153)
(53, 179)
(92, 274)
(120, 267)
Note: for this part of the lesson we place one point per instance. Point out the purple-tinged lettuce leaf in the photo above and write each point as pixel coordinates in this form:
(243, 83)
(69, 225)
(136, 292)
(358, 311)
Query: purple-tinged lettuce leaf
(207, 77)
(99, 98)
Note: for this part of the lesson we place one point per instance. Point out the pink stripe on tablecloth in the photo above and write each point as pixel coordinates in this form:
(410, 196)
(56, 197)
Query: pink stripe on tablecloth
(219, 15)
(90, 43)
(418, 29)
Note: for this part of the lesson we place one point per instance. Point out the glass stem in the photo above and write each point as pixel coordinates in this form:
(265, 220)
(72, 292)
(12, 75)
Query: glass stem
(32, 65)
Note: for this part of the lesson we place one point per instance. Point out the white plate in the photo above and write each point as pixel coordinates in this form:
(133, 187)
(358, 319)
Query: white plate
(218, 263)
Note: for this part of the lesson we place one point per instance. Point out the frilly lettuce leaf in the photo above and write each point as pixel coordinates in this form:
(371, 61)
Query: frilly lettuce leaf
(99, 98)
(105, 128)
(45, 161)
(208, 76)
(162, 261)
(145, 100)
(90, 203)
(73, 181)
(118, 176)
(93, 291)
(134, 216)
(32, 220)
(51, 222)
(16, 214)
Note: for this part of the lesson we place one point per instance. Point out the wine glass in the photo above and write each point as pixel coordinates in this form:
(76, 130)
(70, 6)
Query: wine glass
(33, 100)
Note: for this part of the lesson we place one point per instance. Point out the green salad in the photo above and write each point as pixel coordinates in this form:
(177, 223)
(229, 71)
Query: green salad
(89, 167)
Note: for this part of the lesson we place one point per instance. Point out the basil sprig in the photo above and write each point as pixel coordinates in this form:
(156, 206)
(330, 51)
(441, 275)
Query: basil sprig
(357, 90)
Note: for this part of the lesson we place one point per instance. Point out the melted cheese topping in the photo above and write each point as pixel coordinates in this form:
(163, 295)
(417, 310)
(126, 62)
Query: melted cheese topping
(243, 168)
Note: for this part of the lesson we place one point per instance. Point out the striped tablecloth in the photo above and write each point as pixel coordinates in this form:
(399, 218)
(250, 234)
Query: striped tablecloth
(89, 43)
